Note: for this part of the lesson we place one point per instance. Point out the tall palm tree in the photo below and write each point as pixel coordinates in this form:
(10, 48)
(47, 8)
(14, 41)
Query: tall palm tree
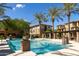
(40, 17)
(54, 13)
(3, 7)
(68, 10)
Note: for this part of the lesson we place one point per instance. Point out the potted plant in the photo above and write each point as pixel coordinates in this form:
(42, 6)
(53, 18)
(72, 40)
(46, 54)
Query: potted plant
(25, 43)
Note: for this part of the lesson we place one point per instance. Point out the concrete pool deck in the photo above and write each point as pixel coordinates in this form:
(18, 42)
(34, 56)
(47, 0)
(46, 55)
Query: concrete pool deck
(73, 50)
(4, 48)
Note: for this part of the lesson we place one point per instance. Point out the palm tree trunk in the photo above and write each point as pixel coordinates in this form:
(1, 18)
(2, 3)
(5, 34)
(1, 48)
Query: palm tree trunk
(40, 30)
(53, 29)
(68, 28)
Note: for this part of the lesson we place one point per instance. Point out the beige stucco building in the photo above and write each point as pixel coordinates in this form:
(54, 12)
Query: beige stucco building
(74, 30)
(45, 29)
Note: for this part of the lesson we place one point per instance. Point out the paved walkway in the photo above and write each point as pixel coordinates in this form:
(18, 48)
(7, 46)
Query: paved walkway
(4, 49)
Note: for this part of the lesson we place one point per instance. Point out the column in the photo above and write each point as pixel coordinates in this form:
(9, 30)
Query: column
(43, 36)
(77, 39)
(63, 35)
(49, 35)
(54, 36)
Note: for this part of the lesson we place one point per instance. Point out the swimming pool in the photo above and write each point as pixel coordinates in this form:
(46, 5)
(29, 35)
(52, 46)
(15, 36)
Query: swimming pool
(37, 46)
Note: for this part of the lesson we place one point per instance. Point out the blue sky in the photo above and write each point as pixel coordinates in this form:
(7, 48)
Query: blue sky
(27, 11)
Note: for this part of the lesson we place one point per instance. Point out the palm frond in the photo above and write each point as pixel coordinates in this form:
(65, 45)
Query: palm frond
(56, 13)
(57, 19)
(4, 5)
(41, 17)
(61, 18)
(2, 11)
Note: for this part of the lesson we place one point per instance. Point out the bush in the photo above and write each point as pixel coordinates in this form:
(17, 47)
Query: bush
(1, 37)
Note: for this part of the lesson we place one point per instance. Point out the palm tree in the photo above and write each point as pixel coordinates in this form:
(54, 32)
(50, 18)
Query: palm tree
(40, 17)
(68, 10)
(1, 11)
(3, 7)
(54, 13)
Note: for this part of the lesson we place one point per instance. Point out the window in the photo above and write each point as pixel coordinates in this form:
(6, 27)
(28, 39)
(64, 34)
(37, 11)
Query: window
(72, 28)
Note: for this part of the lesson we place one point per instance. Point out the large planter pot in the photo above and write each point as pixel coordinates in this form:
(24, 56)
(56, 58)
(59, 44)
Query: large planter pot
(25, 45)
(65, 40)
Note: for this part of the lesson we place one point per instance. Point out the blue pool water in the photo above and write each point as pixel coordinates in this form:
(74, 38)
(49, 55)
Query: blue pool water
(39, 47)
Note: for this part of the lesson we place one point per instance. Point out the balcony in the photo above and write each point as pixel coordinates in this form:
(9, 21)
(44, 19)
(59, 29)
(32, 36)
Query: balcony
(58, 30)
(73, 28)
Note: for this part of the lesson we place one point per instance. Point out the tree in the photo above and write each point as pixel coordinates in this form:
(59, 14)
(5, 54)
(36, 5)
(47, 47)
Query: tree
(68, 10)
(54, 13)
(3, 7)
(1, 11)
(17, 24)
(22, 25)
(40, 17)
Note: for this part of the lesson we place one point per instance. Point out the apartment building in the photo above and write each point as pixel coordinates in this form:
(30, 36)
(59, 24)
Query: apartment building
(74, 30)
(45, 29)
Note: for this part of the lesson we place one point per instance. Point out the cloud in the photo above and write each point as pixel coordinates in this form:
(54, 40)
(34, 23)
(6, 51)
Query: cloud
(18, 6)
